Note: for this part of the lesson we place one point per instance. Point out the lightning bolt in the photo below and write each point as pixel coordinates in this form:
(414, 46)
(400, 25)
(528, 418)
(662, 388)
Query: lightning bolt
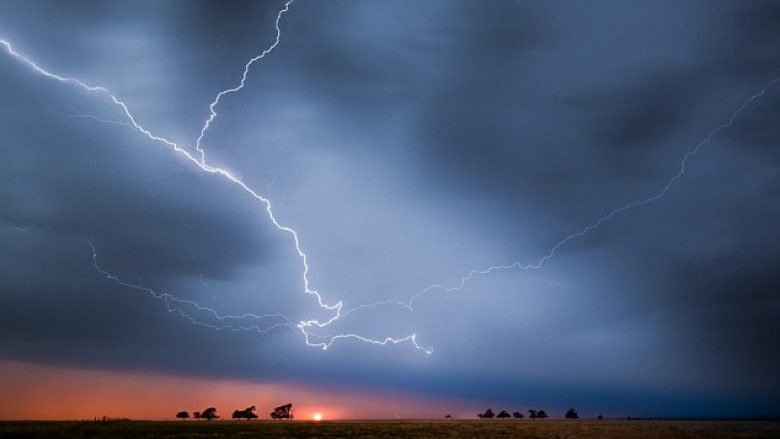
(247, 66)
(304, 326)
(170, 300)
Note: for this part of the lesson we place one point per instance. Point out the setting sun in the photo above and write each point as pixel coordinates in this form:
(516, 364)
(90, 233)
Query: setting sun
(317, 416)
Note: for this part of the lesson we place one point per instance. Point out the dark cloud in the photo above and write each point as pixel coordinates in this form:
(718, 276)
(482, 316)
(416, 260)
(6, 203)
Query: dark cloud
(641, 114)
(746, 37)
(407, 143)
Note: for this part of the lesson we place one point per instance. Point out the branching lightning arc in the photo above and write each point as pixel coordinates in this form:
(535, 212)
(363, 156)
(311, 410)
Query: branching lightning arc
(596, 224)
(461, 283)
(175, 304)
(304, 326)
(237, 322)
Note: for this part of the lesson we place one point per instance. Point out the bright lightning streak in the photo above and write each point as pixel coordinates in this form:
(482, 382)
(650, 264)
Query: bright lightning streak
(247, 66)
(304, 326)
(382, 342)
(170, 298)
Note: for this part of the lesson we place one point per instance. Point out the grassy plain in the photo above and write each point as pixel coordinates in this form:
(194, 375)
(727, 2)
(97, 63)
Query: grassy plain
(532, 429)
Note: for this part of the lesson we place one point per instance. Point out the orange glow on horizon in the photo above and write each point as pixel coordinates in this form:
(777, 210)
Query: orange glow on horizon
(40, 392)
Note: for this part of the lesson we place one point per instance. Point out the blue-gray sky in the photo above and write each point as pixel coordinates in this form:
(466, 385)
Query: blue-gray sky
(407, 143)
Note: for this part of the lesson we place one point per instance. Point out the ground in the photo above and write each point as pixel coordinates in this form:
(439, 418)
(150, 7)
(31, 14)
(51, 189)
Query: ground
(532, 429)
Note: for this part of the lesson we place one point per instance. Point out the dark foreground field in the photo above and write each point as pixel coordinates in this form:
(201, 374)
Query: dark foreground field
(401, 429)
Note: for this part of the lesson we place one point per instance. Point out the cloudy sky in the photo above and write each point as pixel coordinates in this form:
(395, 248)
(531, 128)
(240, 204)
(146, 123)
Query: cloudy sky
(406, 143)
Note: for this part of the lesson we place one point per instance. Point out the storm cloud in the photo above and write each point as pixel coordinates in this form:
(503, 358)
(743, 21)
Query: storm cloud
(407, 143)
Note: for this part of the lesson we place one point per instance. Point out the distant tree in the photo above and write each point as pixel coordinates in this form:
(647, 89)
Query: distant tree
(503, 415)
(600, 417)
(196, 415)
(571, 414)
(283, 412)
(182, 415)
(488, 414)
(209, 414)
(448, 417)
(541, 414)
(247, 413)
(532, 414)
(517, 415)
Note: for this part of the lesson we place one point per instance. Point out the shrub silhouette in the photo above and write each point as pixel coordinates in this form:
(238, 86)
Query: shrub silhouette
(487, 415)
(571, 414)
(600, 417)
(541, 414)
(517, 415)
(503, 415)
(448, 417)
(247, 413)
(182, 415)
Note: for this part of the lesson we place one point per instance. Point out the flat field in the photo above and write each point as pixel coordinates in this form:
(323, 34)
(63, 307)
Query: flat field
(539, 429)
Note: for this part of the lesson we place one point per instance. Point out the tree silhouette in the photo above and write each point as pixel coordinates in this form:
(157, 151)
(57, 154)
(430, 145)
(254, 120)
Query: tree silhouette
(503, 415)
(282, 412)
(196, 415)
(247, 413)
(487, 415)
(182, 415)
(571, 414)
(532, 414)
(541, 414)
(448, 417)
(517, 415)
(209, 414)
(600, 417)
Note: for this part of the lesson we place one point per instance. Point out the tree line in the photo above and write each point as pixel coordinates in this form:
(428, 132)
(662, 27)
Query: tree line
(282, 412)
(532, 414)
